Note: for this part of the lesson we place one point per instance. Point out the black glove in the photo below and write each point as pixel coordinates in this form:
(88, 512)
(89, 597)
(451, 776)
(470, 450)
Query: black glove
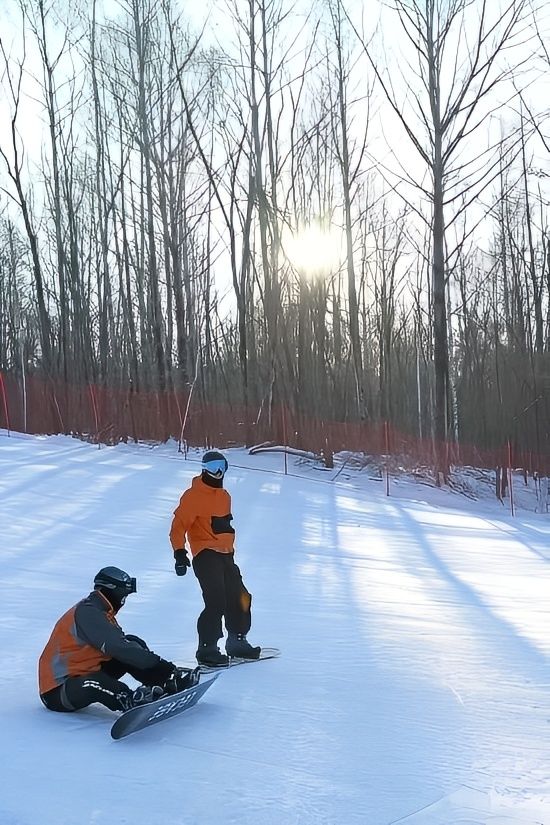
(182, 562)
(159, 673)
(182, 678)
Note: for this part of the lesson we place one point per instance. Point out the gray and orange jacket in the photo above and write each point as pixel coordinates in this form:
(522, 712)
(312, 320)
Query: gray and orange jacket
(204, 516)
(84, 637)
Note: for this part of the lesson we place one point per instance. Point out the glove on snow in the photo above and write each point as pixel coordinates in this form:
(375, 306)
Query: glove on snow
(182, 562)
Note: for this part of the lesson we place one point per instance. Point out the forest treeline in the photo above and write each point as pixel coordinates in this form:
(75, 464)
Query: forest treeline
(271, 209)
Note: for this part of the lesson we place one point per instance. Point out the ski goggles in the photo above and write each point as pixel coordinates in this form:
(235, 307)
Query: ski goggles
(216, 467)
(131, 585)
(127, 586)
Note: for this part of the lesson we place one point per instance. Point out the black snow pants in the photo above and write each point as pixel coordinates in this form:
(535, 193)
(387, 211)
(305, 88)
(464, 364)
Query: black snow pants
(224, 594)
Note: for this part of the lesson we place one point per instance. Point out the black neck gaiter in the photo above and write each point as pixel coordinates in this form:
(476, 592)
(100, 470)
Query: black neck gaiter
(114, 597)
(210, 481)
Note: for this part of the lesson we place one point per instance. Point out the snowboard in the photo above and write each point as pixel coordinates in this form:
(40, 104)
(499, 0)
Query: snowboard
(164, 708)
(266, 653)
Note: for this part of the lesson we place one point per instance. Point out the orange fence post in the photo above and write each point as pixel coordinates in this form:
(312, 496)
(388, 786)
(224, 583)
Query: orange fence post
(184, 422)
(5, 400)
(510, 479)
(387, 448)
(285, 442)
(54, 399)
(180, 418)
(94, 408)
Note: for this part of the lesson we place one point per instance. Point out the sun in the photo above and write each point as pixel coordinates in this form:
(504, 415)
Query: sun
(314, 249)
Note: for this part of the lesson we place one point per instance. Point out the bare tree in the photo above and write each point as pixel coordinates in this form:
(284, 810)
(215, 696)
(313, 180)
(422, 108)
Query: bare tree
(14, 162)
(351, 165)
(449, 99)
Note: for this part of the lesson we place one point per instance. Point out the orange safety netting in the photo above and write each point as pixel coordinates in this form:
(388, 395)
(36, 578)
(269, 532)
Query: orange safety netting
(107, 415)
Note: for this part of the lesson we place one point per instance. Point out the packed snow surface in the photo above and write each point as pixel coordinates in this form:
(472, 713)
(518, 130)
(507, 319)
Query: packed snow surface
(414, 682)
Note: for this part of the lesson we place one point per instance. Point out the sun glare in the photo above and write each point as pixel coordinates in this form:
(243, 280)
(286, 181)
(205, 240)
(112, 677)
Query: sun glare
(314, 250)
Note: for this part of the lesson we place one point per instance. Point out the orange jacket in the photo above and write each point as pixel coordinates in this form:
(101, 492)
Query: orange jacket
(204, 516)
(84, 637)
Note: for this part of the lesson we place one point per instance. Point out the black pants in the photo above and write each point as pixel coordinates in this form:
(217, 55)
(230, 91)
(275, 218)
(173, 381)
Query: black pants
(224, 594)
(101, 686)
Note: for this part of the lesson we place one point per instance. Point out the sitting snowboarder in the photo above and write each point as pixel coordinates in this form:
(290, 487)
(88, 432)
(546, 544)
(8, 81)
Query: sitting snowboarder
(88, 653)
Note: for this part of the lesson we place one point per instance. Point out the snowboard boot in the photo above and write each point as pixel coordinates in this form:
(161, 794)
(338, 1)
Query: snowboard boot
(181, 679)
(142, 695)
(210, 654)
(238, 647)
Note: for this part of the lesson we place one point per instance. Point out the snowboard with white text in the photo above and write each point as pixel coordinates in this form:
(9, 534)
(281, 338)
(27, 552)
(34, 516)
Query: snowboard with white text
(164, 708)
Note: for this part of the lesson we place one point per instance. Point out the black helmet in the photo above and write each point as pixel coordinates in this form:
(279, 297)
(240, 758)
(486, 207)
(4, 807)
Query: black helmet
(115, 580)
(214, 464)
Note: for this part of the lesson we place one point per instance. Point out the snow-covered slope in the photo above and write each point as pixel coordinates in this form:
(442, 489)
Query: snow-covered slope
(414, 683)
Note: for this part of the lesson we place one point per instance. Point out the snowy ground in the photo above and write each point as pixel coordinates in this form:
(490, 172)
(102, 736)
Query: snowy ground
(414, 683)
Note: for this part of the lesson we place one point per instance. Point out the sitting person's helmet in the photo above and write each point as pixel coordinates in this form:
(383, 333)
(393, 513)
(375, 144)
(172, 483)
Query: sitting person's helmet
(115, 584)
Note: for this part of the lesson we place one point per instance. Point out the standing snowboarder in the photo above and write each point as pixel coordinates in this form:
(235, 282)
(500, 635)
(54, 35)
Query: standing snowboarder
(88, 653)
(203, 515)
